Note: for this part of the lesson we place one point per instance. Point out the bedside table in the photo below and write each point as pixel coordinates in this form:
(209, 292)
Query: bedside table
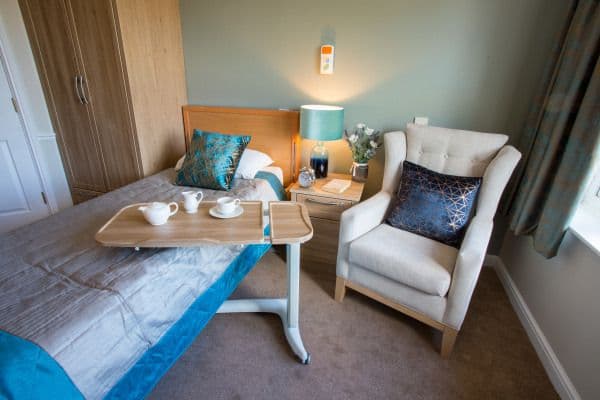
(325, 209)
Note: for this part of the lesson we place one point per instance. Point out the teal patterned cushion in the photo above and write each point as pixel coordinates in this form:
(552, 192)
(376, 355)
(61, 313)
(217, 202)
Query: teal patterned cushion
(211, 160)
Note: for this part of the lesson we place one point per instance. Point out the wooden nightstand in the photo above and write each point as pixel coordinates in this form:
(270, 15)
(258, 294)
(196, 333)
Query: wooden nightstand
(325, 210)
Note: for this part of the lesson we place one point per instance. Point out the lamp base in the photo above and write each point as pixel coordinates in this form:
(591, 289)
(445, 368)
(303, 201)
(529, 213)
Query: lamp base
(319, 160)
(319, 165)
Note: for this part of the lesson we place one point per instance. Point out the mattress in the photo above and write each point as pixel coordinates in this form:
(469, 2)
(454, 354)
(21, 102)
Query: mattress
(97, 311)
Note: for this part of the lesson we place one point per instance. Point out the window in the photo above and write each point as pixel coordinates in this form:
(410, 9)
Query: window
(586, 222)
(591, 199)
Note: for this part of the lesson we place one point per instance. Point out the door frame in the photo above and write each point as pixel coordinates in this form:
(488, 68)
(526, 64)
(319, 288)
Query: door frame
(29, 140)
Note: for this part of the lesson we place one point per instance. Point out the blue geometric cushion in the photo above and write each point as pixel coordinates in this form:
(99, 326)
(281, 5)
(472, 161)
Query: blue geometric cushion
(211, 160)
(434, 205)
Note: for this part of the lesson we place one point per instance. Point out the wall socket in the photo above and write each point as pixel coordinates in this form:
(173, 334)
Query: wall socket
(421, 121)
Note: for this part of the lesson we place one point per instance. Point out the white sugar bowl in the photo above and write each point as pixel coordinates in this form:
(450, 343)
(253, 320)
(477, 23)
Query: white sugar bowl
(157, 213)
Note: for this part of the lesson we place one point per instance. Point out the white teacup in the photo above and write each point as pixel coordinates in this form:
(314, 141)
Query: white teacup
(191, 201)
(227, 205)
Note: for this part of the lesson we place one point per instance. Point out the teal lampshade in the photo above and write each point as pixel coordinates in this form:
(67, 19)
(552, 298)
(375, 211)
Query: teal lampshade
(321, 123)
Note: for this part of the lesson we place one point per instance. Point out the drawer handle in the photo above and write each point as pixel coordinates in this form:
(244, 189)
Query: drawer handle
(325, 203)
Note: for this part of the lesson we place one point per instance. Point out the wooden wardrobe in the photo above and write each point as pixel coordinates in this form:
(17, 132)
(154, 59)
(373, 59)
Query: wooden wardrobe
(114, 81)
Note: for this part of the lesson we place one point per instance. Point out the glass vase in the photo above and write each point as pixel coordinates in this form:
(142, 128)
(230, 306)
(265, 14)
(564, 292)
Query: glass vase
(360, 171)
(319, 160)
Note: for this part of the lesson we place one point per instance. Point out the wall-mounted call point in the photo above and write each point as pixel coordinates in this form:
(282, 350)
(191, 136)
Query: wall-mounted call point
(327, 59)
(421, 121)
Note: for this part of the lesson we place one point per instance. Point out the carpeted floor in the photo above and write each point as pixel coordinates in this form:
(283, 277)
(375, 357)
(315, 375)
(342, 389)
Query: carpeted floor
(360, 350)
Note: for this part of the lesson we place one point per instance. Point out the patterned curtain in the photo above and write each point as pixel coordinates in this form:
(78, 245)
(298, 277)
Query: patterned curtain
(561, 141)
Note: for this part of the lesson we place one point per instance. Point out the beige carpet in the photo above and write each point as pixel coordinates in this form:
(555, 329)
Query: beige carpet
(360, 350)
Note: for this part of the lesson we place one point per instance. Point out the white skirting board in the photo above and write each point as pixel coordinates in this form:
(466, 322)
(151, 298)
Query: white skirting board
(558, 376)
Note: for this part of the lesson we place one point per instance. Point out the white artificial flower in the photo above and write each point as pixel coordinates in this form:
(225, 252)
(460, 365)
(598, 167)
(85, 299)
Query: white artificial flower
(360, 126)
(369, 131)
(373, 144)
(353, 138)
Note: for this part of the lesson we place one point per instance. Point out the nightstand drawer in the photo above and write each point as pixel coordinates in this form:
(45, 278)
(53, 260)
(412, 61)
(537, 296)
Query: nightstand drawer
(324, 207)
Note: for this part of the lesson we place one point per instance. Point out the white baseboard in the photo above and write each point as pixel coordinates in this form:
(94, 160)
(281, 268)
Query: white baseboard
(558, 376)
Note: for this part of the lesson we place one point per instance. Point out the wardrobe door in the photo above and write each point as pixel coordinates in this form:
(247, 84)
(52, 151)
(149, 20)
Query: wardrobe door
(53, 46)
(105, 84)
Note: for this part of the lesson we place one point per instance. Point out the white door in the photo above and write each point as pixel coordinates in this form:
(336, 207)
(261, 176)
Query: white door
(21, 195)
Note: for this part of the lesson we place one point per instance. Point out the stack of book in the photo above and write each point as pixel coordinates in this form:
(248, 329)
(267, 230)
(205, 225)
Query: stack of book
(336, 185)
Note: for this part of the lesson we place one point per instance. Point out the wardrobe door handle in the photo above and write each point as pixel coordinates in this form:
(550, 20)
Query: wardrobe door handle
(85, 99)
(77, 92)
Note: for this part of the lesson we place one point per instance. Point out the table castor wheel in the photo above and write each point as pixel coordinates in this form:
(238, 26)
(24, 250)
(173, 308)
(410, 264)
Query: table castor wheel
(306, 361)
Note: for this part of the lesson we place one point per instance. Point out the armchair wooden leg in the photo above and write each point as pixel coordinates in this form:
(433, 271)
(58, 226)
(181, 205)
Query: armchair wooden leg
(340, 289)
(448, 339)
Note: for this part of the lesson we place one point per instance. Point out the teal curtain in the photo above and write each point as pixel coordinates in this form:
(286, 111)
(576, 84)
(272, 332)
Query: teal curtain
(561, 137)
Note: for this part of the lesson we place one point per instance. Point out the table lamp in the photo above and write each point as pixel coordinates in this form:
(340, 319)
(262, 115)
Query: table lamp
(321, 123)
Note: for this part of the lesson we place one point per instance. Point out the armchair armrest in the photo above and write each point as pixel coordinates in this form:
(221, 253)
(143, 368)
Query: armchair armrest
(472, 252)
(358, 220)
(466, 270)
(495, 179)
(361, 218)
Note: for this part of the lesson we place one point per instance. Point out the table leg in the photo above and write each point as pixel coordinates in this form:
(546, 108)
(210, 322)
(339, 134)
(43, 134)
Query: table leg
(291, 328)
(287, 309)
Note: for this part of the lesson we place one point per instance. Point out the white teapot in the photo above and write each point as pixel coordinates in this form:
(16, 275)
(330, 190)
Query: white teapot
(157, 213)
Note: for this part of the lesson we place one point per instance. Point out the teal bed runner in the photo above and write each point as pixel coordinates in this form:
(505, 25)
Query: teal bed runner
(274, 182)
(27, 372)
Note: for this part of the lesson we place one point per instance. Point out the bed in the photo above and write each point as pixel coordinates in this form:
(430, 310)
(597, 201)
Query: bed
(80, 320)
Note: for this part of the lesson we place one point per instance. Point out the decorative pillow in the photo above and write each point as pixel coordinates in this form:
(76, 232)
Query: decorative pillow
(252, 161)
(211, 160)
(434, 205)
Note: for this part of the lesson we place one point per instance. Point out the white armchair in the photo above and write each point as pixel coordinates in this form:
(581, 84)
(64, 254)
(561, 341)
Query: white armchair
(423, 278)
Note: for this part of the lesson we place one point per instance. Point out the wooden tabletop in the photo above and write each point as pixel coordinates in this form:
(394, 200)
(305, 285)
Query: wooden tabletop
(353, 193)
(290, 222)
(128, 228)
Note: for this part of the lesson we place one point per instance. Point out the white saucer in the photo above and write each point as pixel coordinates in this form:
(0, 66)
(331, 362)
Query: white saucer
(215, 213)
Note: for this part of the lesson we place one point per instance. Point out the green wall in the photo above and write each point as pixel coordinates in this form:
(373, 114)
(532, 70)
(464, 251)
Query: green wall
(457, 62)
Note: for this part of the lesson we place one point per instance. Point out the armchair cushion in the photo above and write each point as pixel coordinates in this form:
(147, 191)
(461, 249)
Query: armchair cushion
(410, 259)
(434, 205)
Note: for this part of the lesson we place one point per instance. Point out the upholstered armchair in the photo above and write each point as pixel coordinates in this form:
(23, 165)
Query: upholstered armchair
(423, 278)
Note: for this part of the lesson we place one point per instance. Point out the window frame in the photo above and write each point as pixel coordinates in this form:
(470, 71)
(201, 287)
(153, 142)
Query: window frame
(591, 198)
(586, 222)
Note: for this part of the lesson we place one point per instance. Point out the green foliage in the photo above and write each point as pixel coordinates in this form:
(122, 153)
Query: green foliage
(363, 142)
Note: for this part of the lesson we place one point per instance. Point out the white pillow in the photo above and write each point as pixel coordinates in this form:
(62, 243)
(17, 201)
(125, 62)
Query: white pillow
(179, 163)
(251, 162)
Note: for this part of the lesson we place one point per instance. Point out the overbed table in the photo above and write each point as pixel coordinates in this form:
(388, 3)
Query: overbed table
(289, 225)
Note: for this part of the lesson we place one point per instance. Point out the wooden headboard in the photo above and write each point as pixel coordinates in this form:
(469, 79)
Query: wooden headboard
(275, 132)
